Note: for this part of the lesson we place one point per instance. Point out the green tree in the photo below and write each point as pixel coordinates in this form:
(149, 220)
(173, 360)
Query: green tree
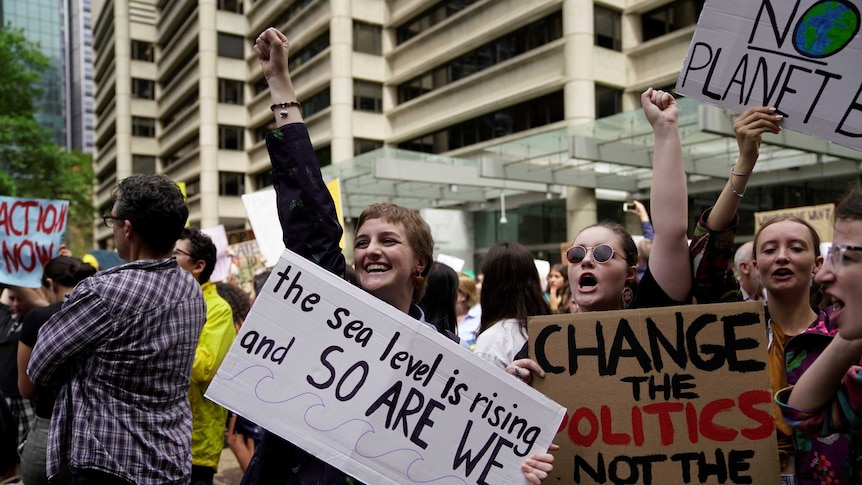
(31, 165)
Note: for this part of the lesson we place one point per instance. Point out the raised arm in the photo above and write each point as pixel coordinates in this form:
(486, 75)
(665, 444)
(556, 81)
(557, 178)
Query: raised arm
(305, 208)
(749, 128)
(712, 244)
(271, 48)
(668, 198)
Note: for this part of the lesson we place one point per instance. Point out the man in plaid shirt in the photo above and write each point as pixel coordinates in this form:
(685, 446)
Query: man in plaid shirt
(121, 351)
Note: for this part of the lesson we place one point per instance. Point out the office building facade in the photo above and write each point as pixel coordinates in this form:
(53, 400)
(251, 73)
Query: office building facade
(459, 83)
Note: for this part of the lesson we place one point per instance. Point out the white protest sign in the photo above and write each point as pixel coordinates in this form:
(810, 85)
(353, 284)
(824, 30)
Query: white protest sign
(802, 57)
(222, 265)
(262, 211)
(369, 390)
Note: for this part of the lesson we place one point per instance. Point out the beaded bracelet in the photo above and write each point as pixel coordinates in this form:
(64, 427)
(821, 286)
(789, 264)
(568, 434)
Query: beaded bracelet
(284, 105)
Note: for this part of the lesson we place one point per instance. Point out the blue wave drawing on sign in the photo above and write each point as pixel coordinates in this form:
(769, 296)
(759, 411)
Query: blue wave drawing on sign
(260, 388)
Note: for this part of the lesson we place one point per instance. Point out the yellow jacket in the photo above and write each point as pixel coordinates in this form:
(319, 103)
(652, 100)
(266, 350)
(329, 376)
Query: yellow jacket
(208, 418)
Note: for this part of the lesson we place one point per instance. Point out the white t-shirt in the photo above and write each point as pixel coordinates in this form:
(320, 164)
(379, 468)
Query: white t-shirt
(499, 344)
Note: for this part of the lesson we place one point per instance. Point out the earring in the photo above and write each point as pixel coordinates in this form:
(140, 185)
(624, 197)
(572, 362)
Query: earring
(628, 296)
(418, 279)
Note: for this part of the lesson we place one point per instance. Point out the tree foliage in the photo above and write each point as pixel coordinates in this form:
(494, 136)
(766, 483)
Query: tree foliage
(31, 165)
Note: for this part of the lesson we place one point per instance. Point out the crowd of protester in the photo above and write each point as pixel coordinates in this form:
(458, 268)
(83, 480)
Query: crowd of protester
(104, 373)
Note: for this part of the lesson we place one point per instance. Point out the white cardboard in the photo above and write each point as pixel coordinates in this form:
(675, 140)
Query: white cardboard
(262, 211)
(357, 362)
(758, 52)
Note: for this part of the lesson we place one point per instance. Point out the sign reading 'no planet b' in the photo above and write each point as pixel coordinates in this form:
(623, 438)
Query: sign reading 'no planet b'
(803, 57)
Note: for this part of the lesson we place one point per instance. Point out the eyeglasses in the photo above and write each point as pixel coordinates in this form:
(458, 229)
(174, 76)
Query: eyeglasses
(835, 255)
(601, 253)
(109, 220)
(180, 251)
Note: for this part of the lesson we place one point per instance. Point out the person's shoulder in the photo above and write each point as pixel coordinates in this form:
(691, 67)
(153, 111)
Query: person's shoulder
(41, 314)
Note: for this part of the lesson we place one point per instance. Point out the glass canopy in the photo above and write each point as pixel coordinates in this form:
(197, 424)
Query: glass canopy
(612, 153)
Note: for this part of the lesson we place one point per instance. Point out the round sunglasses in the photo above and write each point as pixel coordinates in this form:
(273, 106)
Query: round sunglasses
(601, 253)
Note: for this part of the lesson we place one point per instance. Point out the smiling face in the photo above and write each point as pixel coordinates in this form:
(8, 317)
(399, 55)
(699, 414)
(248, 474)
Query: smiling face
(841, 282)
(599, 286)
(785, 259)
(384, 261)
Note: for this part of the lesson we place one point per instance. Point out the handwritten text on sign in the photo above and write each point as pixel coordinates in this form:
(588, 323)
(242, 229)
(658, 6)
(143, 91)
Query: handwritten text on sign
(31, 231)
(374, 392)
(801, 56)
(664, 395)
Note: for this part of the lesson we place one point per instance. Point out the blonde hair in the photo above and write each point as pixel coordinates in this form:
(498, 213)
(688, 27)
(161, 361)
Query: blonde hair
(467, 286)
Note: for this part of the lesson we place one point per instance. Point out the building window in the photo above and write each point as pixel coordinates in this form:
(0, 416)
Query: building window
(670, 17)
(318, 102)
(143, 127)
(234, 6)
(143, 51)
(143, 164)
(193, 188)
(230, 46)
(367, 38)
(431, 17)
(315, 47)
(230, 137)
(231, 183)
(263, 179)
(523, 116)
(609, 101)
(499, 50)
(361, 145)
(143, 88)
(230, 91)
(324, 156)
(260, 86)
(607, 24)
(367, 96)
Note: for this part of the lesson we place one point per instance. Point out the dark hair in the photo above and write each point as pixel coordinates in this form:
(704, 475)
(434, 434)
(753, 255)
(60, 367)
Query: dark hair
(630, 249)
(155, 207)
(201, 247)
(66, 271)
(850, 206)
(418, 233)
(511, 288)
(441, 294)
(260, 280)
(815, 238)
(239, 300)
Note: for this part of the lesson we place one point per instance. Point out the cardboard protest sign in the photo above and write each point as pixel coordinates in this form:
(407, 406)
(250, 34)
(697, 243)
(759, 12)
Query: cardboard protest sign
(246, 260)
(662, 395)
(802, 57)
(819, 216)
(372, 391)
(31, 231)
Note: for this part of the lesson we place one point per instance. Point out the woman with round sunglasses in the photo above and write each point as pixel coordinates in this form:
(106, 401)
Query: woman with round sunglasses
(603, 257)
(827, 397)
(392, 254)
